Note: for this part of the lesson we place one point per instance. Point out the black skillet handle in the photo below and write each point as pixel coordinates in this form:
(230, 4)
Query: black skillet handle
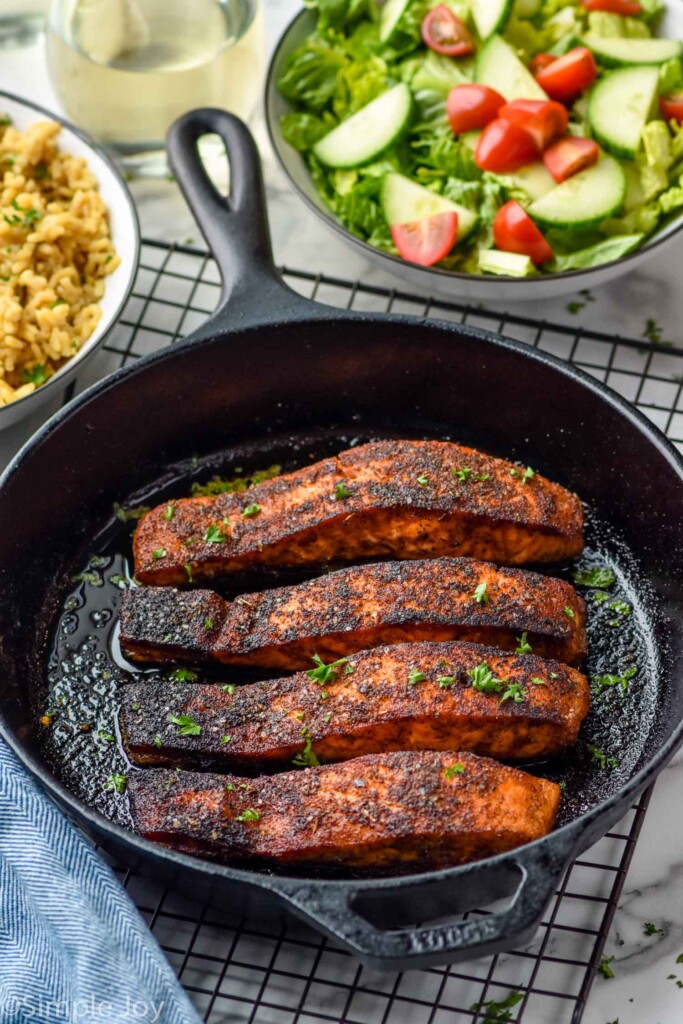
(330, 907)
(236, 226)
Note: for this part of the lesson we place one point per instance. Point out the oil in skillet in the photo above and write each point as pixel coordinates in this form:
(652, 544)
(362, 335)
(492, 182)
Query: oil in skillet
(87, 675)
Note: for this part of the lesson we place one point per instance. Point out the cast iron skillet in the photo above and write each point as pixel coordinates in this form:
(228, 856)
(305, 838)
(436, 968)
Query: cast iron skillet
(269, 363)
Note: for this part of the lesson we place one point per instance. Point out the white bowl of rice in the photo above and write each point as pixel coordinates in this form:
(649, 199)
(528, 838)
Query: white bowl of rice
(69, 248)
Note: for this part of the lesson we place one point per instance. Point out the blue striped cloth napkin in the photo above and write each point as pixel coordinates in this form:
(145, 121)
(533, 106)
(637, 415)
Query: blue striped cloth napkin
(73, 947)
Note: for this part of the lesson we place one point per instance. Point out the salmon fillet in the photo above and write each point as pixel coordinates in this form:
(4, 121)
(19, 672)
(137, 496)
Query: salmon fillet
(406, 697)
(406, 809)
(396, 499)
(355, 609)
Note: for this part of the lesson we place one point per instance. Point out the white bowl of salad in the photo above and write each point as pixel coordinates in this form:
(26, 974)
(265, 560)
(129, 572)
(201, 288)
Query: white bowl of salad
(492, 149)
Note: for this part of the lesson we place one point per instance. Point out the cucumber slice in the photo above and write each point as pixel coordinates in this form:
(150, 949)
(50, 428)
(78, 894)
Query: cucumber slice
(390, 17)
(585, 199)
(368, 132)
(620, 106)
(535, 179)
(499, 67)
(613, 52)
(490, 16)
(508, 264)
(404, 200)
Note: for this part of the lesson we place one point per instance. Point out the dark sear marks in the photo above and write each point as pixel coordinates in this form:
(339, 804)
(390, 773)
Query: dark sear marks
(395, 499)
(391, 811)
(428, 696)
(356, 609)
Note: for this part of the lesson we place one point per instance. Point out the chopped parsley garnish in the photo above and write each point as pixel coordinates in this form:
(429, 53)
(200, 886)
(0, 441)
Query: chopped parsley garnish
(214, 535)
(607, 681)
(465, 473)
(249, 815)
(5, 121)
(157, 741)
(341, 492)
(569, 612)
(188, 571)
(34, 375)
(229, 688)
(208, 623)
(169, 512)
(135, 707)
(229, 786)
(480, 595)
(423, 480)
(600, 758)
(454, 769)
(524, 647)
(117, 781)
(623, 610)
(158, 553)
(599, 596)
(497, 1012)
(225, 740)
(40, 171)
(514, 692)
(415, 676)
(651, 929)
(327, 673)
(483, 679)
(186, 727)
(599, 576)
(527, 475)
(604, 967)
(233, 485)
(306, 758)
(446, 681)
(184, 675)
(537, 681)
(251, 510)
(107, 736)
(92, 578)
(128, 514)
(118, 580)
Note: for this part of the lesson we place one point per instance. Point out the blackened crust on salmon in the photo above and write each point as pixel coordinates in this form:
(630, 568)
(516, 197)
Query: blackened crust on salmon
(406, 697)
(384, 811)
(394, 499)
(356, 609)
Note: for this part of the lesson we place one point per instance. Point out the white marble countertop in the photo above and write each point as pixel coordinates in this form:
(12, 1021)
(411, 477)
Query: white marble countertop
(641, 991)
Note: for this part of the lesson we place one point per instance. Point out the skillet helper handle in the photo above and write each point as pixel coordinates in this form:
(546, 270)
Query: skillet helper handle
(330, 907)
(236, 226)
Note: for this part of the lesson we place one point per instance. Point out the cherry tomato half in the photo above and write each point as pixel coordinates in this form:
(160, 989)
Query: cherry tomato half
(540, 61)
(504, 147)
(514, 231)
(471, 107)
(627, 8)
(672, 106)
(445, 33)
(567, 76)
(428, 240)
(544, 120)
(569, 155)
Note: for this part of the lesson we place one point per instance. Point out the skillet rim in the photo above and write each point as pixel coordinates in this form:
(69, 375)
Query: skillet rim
(567, 836)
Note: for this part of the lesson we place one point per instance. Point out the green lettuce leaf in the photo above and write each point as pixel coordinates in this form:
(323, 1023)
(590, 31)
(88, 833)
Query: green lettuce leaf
(303, 130)
(594, 255)
(357, 84)
(310, 77)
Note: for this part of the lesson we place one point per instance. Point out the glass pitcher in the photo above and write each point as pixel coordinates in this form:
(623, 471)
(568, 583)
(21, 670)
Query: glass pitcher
(126, 69)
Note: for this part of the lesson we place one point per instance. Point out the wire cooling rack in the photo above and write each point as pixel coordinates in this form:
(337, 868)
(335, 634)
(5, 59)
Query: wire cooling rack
(239, 971)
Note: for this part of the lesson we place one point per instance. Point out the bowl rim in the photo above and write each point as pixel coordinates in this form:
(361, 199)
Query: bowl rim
(69, 368)
(277, 140)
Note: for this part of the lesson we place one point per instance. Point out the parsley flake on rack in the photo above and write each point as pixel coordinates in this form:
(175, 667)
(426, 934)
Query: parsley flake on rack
(415, 676)
(454, 769)
(186, 726)
(446, 681)
(228, 688)
(251, 510)
(423, 480)
(341, 492)
(604, 967)
(306, 758)
(514, 692)
(158, 553)
(651, 929)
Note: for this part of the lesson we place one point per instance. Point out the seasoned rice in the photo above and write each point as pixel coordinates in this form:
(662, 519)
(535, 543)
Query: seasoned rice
(55, 252)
